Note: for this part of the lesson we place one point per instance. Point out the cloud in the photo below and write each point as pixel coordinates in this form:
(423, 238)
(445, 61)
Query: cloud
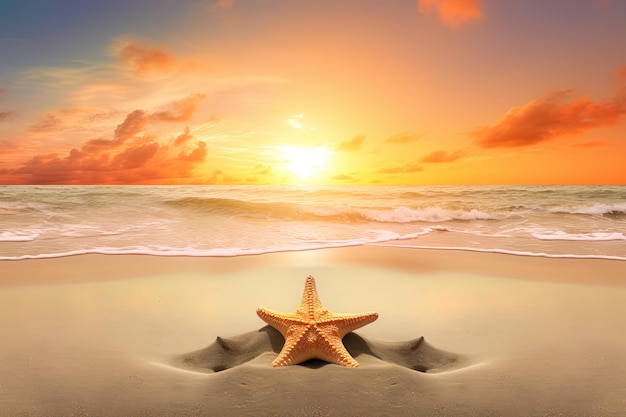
(548, 118)
(183, 137)
(215, 5)
(408, 167)
(145, 59)
(441, 156)
(342, 177)
(261, 169)
(181, 110)
(5, 115)
(136, 121)
(452, 13)
(49, 123)
(133, 124)
(621, 73)
(136, 156)
(126, 158)
(404, 137)
(352, 145)
(590, 144)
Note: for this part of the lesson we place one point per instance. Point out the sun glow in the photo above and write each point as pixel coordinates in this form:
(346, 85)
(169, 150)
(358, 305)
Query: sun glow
(305, 162)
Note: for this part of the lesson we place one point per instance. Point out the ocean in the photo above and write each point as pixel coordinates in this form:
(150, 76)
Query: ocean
(557, 221)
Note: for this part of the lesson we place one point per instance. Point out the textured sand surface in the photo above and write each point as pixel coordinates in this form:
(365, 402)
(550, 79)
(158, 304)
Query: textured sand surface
(138, 335)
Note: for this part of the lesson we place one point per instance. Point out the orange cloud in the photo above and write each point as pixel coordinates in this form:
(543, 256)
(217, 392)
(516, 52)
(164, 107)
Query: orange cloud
(452, 13)
(224, 4)
(135, 122)
(128, 157)
(181, 110)
(140, 163)
(342, 177)
(352, 145)
(49, 123)
(4, 115)
(261, 169)
(404, 137)
(591, 144)
(146, 60)
(621, 73)
(548, 118)
(408, 167)
(442, 156)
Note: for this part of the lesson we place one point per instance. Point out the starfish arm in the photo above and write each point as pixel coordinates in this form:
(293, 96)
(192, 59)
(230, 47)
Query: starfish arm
(334, 351)
(295, 349)
(349, 322)
(310, 303)
(280, 321)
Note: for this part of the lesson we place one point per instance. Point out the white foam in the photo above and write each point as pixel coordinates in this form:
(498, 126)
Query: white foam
(17, 237)
(593, 236)
(379, 236)
(507, 252)
(431, 214)
(597, 209)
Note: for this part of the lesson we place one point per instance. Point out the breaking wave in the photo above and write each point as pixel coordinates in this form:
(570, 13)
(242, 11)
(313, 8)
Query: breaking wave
(296, 211)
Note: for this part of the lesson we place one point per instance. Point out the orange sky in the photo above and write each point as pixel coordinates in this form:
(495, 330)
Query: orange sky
(402, 92)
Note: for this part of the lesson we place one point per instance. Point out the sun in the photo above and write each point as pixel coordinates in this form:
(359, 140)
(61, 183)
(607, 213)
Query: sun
(305, 162)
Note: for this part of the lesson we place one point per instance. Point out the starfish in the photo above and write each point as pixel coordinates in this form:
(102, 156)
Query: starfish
(313, 332)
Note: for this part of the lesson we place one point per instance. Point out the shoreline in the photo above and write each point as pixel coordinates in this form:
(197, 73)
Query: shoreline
(391, 256)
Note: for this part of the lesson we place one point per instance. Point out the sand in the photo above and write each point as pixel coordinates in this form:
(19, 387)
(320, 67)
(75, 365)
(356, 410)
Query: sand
(459, 334)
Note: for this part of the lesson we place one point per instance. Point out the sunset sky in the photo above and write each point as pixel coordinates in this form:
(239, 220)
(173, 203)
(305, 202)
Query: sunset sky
(313, 92)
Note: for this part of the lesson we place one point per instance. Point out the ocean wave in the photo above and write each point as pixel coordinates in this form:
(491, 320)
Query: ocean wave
(599, 209)
(342, 213)
(593, 236)
(431, 214)
(16, 207)
(17, 237)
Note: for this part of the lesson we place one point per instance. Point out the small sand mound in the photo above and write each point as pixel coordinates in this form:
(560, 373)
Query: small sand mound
(228, 353)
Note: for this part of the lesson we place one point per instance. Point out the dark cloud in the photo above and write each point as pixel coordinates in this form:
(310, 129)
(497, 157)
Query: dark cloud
(352, 145)
(441, 156)
(548, 118)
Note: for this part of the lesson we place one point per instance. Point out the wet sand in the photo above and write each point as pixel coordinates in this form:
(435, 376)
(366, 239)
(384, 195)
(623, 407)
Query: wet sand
(458, 334)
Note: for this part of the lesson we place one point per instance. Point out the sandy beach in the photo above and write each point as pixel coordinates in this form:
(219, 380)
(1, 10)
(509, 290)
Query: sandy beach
(127, 335)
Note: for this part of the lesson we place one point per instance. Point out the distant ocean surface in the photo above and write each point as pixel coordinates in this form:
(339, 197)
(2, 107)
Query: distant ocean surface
(53, 221)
